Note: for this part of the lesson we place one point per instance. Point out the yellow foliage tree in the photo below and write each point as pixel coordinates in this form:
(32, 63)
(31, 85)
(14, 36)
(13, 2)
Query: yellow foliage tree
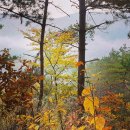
(60, 69)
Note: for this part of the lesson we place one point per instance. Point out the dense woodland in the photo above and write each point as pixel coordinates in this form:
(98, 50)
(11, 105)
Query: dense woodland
(58, 89)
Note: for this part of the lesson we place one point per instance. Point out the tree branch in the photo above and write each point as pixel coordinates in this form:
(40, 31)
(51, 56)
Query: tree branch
(59, 8)
(71, 45)
(96, 59)
(55, 27)
(21, 15)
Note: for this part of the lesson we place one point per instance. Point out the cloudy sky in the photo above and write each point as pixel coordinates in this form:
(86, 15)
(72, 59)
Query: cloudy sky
(104, 40)
(66, 5)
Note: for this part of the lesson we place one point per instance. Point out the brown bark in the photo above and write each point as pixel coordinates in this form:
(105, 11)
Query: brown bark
(42, 54)
(82, 31)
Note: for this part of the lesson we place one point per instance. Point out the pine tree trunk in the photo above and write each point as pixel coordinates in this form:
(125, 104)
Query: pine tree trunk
(82, 31)
(42, 54)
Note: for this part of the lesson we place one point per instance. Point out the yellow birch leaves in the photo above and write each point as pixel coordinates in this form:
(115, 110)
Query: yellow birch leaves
(91, 103)
(99, 121)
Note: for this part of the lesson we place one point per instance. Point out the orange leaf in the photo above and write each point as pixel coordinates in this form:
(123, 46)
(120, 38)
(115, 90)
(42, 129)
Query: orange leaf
(79, 63)
(41, 77)
(105, 109)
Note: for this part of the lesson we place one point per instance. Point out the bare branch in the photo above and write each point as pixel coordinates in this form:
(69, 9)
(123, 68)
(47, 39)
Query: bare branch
(36, 57)
(57, 58)
(92, 60)
(74, 4)
(93, 20)
(59, 8)
(96, 26)
(21, 15)
(29, 55)
(55, 27)
(91, 4)
(29, 38)
(71, 45)
(106, 6)
(50, 62)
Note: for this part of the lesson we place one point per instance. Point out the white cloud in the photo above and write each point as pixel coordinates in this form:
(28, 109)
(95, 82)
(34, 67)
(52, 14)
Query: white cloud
(18, 45)
(64, 5)
(101, 47)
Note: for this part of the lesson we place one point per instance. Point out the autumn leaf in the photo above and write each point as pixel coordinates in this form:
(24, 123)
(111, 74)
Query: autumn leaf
(90, 105)
(36, 127)
(79, 63)
(105, 109)
(73, 128)
(100, 122)
(32, 126)
(87, 91)
(34, 30)
(62, 110)
(41, 77)
(45, 117)
(128, 106)
(82, 128)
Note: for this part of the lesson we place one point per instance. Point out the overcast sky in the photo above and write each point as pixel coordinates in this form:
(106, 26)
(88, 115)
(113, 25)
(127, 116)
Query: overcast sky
(104, 40)
(66, 5)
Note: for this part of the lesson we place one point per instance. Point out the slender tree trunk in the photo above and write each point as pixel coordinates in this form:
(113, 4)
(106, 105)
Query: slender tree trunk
(42, 54)
(82, 31)
(59, 113)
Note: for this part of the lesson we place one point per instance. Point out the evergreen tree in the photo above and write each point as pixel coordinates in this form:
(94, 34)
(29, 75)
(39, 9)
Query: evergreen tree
(114, 70)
